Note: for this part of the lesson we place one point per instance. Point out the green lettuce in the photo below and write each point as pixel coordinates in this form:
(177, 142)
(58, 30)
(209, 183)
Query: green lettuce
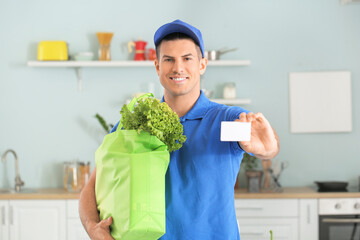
(156, 118)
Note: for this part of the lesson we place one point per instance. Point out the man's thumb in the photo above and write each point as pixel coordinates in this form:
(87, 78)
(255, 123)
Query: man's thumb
(106, 222)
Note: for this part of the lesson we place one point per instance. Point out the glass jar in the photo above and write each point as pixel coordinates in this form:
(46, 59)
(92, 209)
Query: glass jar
(84, 173)
(76, 175)
(229, 91)
(104, 52)
(104, 45)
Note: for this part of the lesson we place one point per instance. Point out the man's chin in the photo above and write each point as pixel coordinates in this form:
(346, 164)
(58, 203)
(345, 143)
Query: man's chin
(180, 92)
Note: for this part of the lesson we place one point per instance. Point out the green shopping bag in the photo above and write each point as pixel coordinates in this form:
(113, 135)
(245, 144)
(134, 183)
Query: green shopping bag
(130, 183)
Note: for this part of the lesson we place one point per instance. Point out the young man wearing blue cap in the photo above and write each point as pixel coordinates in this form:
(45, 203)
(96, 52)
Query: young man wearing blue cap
(201, 175)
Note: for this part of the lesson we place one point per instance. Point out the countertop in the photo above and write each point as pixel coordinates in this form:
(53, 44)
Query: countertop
(43, 193)
(287, 192)
(294, 192)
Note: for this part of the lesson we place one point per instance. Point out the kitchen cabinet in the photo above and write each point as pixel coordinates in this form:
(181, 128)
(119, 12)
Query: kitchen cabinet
(308, 219)
(75, 229)
(4, 220)
(33, 220)
(256, 217)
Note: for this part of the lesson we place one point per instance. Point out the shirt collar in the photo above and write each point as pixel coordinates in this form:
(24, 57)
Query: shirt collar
(198, 110)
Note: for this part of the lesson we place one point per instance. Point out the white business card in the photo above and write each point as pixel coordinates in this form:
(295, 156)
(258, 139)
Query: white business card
(235, 131)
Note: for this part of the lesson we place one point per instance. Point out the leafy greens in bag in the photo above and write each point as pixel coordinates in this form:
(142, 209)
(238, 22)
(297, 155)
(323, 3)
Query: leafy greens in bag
(156, 118)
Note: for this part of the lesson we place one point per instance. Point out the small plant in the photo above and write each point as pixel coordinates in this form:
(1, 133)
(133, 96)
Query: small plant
(249, 162)
(271, 235)
(103, 123)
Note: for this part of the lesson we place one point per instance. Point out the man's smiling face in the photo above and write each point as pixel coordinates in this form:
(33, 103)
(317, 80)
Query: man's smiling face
(179, 67)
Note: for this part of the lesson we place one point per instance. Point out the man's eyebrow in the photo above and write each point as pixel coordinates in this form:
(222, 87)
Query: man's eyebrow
(167, 56)
(186, 55)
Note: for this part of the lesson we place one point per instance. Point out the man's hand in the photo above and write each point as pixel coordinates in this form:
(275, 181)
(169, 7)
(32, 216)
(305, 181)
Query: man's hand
(101, 230)
(264, 143)
(89, 215)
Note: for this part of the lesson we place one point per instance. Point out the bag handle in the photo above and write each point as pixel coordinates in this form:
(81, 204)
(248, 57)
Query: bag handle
(132, 103)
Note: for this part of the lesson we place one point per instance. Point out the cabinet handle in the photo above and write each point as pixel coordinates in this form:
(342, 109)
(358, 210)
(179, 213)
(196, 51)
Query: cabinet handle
(11, 215)
(339, 220)
(3, 215)
(250, 208)
(308, 214)
(251, 233)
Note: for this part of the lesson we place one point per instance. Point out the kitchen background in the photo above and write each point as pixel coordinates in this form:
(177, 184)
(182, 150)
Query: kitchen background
(47, 121)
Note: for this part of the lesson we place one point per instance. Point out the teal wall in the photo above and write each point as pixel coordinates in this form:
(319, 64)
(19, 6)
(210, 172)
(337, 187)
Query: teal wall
(47, 121)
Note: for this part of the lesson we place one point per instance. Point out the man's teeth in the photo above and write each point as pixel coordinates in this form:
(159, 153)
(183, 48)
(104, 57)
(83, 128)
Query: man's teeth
(178, 79)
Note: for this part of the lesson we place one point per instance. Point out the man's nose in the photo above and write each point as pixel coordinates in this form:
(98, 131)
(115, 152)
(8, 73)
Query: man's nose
(178, 66)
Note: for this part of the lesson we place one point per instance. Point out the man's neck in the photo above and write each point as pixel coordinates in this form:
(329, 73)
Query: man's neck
(181, 104)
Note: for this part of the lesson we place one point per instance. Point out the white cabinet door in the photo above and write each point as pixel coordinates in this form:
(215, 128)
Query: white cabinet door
(259, 228)
(37, 219)
(256, 217)
(4, 220)
(76, 230)
(308, 219)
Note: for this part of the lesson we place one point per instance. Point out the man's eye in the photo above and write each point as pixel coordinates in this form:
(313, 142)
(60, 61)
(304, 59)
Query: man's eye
(188, 59)
(167, 59)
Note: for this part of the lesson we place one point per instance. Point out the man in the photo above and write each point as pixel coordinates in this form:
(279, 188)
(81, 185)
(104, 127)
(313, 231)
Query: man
(201, 175)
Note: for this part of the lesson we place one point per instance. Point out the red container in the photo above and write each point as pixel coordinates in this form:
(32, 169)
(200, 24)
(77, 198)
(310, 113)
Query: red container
(139, 49)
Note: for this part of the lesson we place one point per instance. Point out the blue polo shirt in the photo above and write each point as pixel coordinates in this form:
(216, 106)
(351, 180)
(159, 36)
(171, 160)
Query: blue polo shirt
(201, 176)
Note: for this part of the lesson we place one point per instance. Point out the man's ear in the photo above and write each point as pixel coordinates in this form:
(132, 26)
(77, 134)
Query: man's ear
(203, 64)
(157, 66)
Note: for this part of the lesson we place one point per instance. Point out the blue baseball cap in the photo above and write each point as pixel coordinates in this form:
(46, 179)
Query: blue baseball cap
(181, 27)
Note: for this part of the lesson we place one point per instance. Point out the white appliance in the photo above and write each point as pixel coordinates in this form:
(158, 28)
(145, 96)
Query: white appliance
(339, 218)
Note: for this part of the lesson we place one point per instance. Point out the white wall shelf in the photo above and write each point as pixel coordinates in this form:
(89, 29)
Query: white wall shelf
(78, 65)
(234, 102)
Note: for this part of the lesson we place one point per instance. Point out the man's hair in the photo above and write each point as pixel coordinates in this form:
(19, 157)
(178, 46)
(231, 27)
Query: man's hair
(178, 36)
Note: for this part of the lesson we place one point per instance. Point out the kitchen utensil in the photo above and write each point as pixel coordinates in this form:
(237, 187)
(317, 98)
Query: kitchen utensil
(139, 49)
(274, 177)
(331, 186)
(104, 42)
(52, 51)
(266, 166)
(276, 171)
(276, 168)
(215, 54)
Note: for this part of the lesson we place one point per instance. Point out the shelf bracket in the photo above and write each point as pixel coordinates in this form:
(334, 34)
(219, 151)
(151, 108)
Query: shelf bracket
(79, 77)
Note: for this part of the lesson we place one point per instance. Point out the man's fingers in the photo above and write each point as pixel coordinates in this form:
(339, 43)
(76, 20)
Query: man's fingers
(242, 117)
(250, 117)
(261, 118)
(260, 115)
